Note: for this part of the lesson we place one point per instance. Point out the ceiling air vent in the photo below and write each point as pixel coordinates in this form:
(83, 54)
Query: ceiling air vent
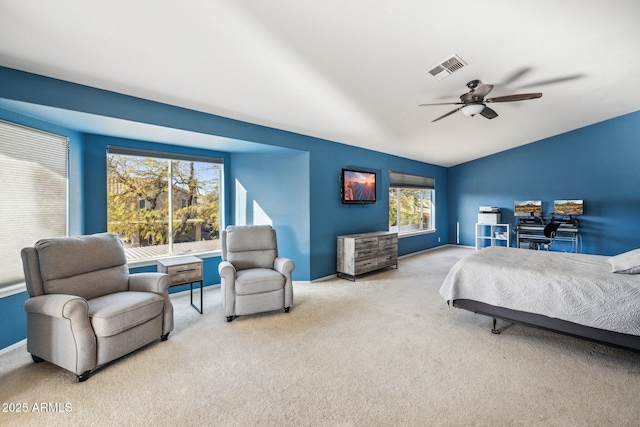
(447, 67)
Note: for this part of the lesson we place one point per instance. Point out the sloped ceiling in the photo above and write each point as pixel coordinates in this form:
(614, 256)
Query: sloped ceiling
(350, 71)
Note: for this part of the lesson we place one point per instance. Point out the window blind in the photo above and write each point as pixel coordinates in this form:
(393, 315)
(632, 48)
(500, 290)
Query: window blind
(33, 182)
(111, 149)
(405, 180)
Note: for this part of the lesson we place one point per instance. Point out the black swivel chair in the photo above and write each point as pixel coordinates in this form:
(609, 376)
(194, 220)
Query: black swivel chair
(549, 233)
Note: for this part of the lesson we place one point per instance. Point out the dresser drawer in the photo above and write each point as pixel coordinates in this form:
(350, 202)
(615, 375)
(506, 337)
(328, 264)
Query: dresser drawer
(182, 270)
(185, 273)
(366, 243)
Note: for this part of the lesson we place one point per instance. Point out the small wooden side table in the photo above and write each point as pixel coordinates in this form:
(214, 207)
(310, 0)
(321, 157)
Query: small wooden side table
(183, 270)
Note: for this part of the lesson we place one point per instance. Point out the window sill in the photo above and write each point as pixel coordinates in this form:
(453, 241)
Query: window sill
(154, 261)
(18, 288)
(415, 233)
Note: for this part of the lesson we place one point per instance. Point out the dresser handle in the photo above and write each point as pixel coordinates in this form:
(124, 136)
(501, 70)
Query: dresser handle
(184, 271)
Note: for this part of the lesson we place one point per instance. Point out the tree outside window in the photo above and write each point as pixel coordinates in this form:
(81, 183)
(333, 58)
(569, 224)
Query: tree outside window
(410, 209)
(160, 207)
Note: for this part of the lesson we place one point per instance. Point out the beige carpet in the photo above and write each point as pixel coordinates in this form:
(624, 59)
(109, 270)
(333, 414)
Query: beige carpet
(383, 351)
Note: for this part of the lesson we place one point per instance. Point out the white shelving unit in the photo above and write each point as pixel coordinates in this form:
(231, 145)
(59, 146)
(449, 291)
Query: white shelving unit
(498, 233)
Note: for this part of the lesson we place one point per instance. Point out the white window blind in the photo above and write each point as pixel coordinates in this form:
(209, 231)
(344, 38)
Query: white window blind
(33, 184)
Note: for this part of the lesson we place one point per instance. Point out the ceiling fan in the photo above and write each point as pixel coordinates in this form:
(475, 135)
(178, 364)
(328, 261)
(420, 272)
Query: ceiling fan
(473, 102)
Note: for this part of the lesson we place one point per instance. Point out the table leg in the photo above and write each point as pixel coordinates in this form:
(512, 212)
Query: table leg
(199, 310)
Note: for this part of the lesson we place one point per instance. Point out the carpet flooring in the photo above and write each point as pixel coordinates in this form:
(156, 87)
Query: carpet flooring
(385, 350)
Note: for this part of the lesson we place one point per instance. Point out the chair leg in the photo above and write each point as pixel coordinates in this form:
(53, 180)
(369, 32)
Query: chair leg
(286, 309)
(165, 336)
(84, 376)
(229, 318)
(37, 359)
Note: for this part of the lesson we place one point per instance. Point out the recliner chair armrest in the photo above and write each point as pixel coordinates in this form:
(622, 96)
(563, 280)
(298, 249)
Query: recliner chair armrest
(150, 282)
(284, 266)
(59, 305)
(67, 317)
(227, 273)
(158, 283)
(226, 270)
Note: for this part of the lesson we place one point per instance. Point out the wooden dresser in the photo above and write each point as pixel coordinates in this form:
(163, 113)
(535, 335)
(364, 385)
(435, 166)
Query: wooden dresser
(362, 253)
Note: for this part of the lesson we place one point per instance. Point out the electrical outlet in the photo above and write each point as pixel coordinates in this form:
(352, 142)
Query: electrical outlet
(438, 240)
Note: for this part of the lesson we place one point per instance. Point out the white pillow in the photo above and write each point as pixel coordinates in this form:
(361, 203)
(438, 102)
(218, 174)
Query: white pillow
(628, 262)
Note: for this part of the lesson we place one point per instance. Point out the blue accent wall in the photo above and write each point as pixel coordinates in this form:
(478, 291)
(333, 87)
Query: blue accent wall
(597, 163)
(13, 319)
(273, 188)
(310, 234)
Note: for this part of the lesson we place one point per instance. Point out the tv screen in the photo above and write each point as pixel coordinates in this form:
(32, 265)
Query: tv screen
(358, 187)
(527, 208)
(568, 207)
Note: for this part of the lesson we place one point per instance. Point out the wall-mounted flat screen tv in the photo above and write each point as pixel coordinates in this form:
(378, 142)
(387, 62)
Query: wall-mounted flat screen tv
(527, 208)
(358, 187)
(568, 207)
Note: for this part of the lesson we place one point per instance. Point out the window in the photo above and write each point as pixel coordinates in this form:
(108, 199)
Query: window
(33, 173)
(411, 203)
(143, 204)
(163, 204)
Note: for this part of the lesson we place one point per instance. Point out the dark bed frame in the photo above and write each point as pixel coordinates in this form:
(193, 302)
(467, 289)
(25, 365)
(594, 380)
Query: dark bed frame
(601, 336)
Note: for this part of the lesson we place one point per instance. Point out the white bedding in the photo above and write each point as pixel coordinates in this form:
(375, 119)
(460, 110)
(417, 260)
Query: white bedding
(573, 287)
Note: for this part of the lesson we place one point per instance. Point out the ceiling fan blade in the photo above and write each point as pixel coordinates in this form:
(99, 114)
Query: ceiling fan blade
(511, 98)
(482, 91)
(441, 103)
(551, 81)
(448, 114)
(515, 75)
(488, 113)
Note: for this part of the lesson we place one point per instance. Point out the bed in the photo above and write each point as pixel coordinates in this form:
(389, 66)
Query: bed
(587, 296)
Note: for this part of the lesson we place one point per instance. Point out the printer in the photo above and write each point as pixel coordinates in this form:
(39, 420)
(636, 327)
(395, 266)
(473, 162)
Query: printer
(489, 215)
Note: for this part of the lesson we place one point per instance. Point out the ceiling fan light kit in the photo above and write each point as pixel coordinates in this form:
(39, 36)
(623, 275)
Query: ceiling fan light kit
(472, 109)
(473, 102)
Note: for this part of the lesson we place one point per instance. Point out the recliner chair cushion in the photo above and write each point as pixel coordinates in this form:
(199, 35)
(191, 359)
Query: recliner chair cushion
(87, 266)
(251, 246)
(258, 280)
(115, 313)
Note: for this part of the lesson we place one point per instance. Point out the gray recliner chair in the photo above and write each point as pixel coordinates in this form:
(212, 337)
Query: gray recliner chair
(254, 278)
(85, 309)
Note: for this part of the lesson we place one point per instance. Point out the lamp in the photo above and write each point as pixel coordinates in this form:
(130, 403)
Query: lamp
(472, 109)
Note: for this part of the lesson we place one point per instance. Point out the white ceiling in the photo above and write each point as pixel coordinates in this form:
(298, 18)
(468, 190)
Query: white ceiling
(350, 71)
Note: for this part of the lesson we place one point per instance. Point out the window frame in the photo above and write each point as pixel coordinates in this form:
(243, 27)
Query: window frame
(399, 181)
(171, 157)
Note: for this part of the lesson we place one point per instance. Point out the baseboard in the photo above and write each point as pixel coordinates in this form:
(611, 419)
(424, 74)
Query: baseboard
(322, 279)
(433, 249)
(13, 346)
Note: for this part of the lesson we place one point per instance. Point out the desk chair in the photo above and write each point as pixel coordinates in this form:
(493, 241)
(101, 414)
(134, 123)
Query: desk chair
(549, 236)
